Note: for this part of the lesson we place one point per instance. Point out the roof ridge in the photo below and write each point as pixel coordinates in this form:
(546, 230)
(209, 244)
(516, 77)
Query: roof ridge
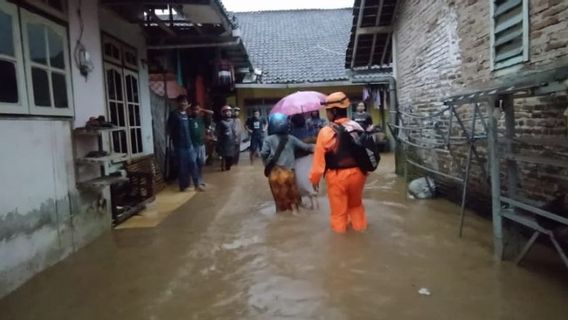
(290, 10)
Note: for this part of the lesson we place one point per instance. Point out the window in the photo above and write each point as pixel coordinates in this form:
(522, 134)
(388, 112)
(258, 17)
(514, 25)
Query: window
(130, 58)
(47, 68)
(13, 97)
(112, 50)
(510, 32)
(123, 96)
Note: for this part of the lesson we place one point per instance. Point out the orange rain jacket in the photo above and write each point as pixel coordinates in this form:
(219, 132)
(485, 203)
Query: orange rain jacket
(344, 186)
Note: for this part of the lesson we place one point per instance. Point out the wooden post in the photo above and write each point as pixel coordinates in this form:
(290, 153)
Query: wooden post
(495, 181)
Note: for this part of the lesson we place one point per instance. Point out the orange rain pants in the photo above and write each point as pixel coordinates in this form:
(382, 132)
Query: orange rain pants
(344, 186)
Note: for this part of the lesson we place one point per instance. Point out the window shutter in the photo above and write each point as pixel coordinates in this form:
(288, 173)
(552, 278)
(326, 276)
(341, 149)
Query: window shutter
(510, 32)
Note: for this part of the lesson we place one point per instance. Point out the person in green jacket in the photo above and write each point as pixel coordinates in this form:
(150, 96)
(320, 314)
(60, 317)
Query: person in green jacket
(197, 132)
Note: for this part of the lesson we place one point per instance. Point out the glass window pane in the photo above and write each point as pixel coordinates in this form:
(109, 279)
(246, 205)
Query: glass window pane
(134, 115)
(131, 115)
(6, 35)
(133, 140)
(108, 49)
(137, 115)
(40, 82)
(116, 141)
(59, 90)
(110, 85)
(135, 89)
(118, 82)
(36, 42)
(113, 113)
(121, 116)
(123, 142)
(139, 139)
(55, 50)
(9, 81)
(128, 88)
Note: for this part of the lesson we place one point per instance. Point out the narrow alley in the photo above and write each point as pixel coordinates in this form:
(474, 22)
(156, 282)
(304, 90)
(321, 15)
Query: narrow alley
(227, 255)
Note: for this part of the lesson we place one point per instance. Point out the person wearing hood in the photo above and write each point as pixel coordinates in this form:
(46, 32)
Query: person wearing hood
(334, 159)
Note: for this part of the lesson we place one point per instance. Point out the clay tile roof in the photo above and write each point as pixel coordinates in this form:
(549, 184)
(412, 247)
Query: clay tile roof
(297, 46)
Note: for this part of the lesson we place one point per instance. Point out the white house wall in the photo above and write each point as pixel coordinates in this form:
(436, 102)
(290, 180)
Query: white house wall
(43, 217)
(89, 93)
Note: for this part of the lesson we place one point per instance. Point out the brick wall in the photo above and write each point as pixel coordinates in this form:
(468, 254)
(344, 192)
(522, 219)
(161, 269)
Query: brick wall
(443, 48)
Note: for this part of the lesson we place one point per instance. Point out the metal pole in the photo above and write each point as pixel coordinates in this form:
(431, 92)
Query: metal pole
(495, 182)
(464, 189)
(467, 170)
(405, 151)
(512, 168)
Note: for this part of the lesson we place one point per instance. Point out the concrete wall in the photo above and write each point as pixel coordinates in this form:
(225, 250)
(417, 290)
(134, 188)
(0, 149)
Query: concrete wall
(43, 216)
(443, 48)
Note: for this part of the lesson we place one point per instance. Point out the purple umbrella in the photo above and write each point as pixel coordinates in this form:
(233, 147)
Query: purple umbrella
(299, 102)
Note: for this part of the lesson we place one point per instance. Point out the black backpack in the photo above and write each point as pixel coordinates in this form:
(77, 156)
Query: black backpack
(363, 147)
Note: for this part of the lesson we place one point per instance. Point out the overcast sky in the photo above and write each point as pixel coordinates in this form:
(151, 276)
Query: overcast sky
(261, 5)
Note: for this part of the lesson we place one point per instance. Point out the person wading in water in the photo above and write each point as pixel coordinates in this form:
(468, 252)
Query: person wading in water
(278, 154)
(334, 159)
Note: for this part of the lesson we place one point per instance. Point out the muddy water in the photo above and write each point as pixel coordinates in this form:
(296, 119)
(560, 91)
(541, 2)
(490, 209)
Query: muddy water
(226, 255)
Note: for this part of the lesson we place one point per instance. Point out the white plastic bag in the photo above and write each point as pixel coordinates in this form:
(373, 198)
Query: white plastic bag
(303, 167)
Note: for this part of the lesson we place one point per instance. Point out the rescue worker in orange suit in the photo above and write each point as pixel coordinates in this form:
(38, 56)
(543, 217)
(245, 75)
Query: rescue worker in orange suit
(332, 159)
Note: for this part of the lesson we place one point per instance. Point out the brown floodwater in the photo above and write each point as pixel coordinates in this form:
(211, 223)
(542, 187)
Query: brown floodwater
(227, 255)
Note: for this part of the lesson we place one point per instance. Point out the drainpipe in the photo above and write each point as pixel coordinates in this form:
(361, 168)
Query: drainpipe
(393, 106)
(179, 69)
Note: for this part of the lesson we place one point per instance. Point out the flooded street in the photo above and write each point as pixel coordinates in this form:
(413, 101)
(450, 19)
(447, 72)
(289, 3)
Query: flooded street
(226, 255)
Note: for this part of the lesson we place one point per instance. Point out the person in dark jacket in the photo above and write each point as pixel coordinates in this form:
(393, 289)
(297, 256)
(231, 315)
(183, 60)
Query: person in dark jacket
(256, 127)
(179, 132)
(226, 138)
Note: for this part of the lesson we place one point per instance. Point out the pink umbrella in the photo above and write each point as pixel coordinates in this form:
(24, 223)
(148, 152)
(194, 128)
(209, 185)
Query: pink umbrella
(299, 102)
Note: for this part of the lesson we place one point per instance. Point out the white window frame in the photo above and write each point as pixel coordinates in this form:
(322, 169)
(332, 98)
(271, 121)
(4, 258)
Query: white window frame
(108, 67)
(21, 107)
(127, 73)
(44, 6)
(526, 38)
(125, 69)
(28, 17)
(134, 52)
(118, 45)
